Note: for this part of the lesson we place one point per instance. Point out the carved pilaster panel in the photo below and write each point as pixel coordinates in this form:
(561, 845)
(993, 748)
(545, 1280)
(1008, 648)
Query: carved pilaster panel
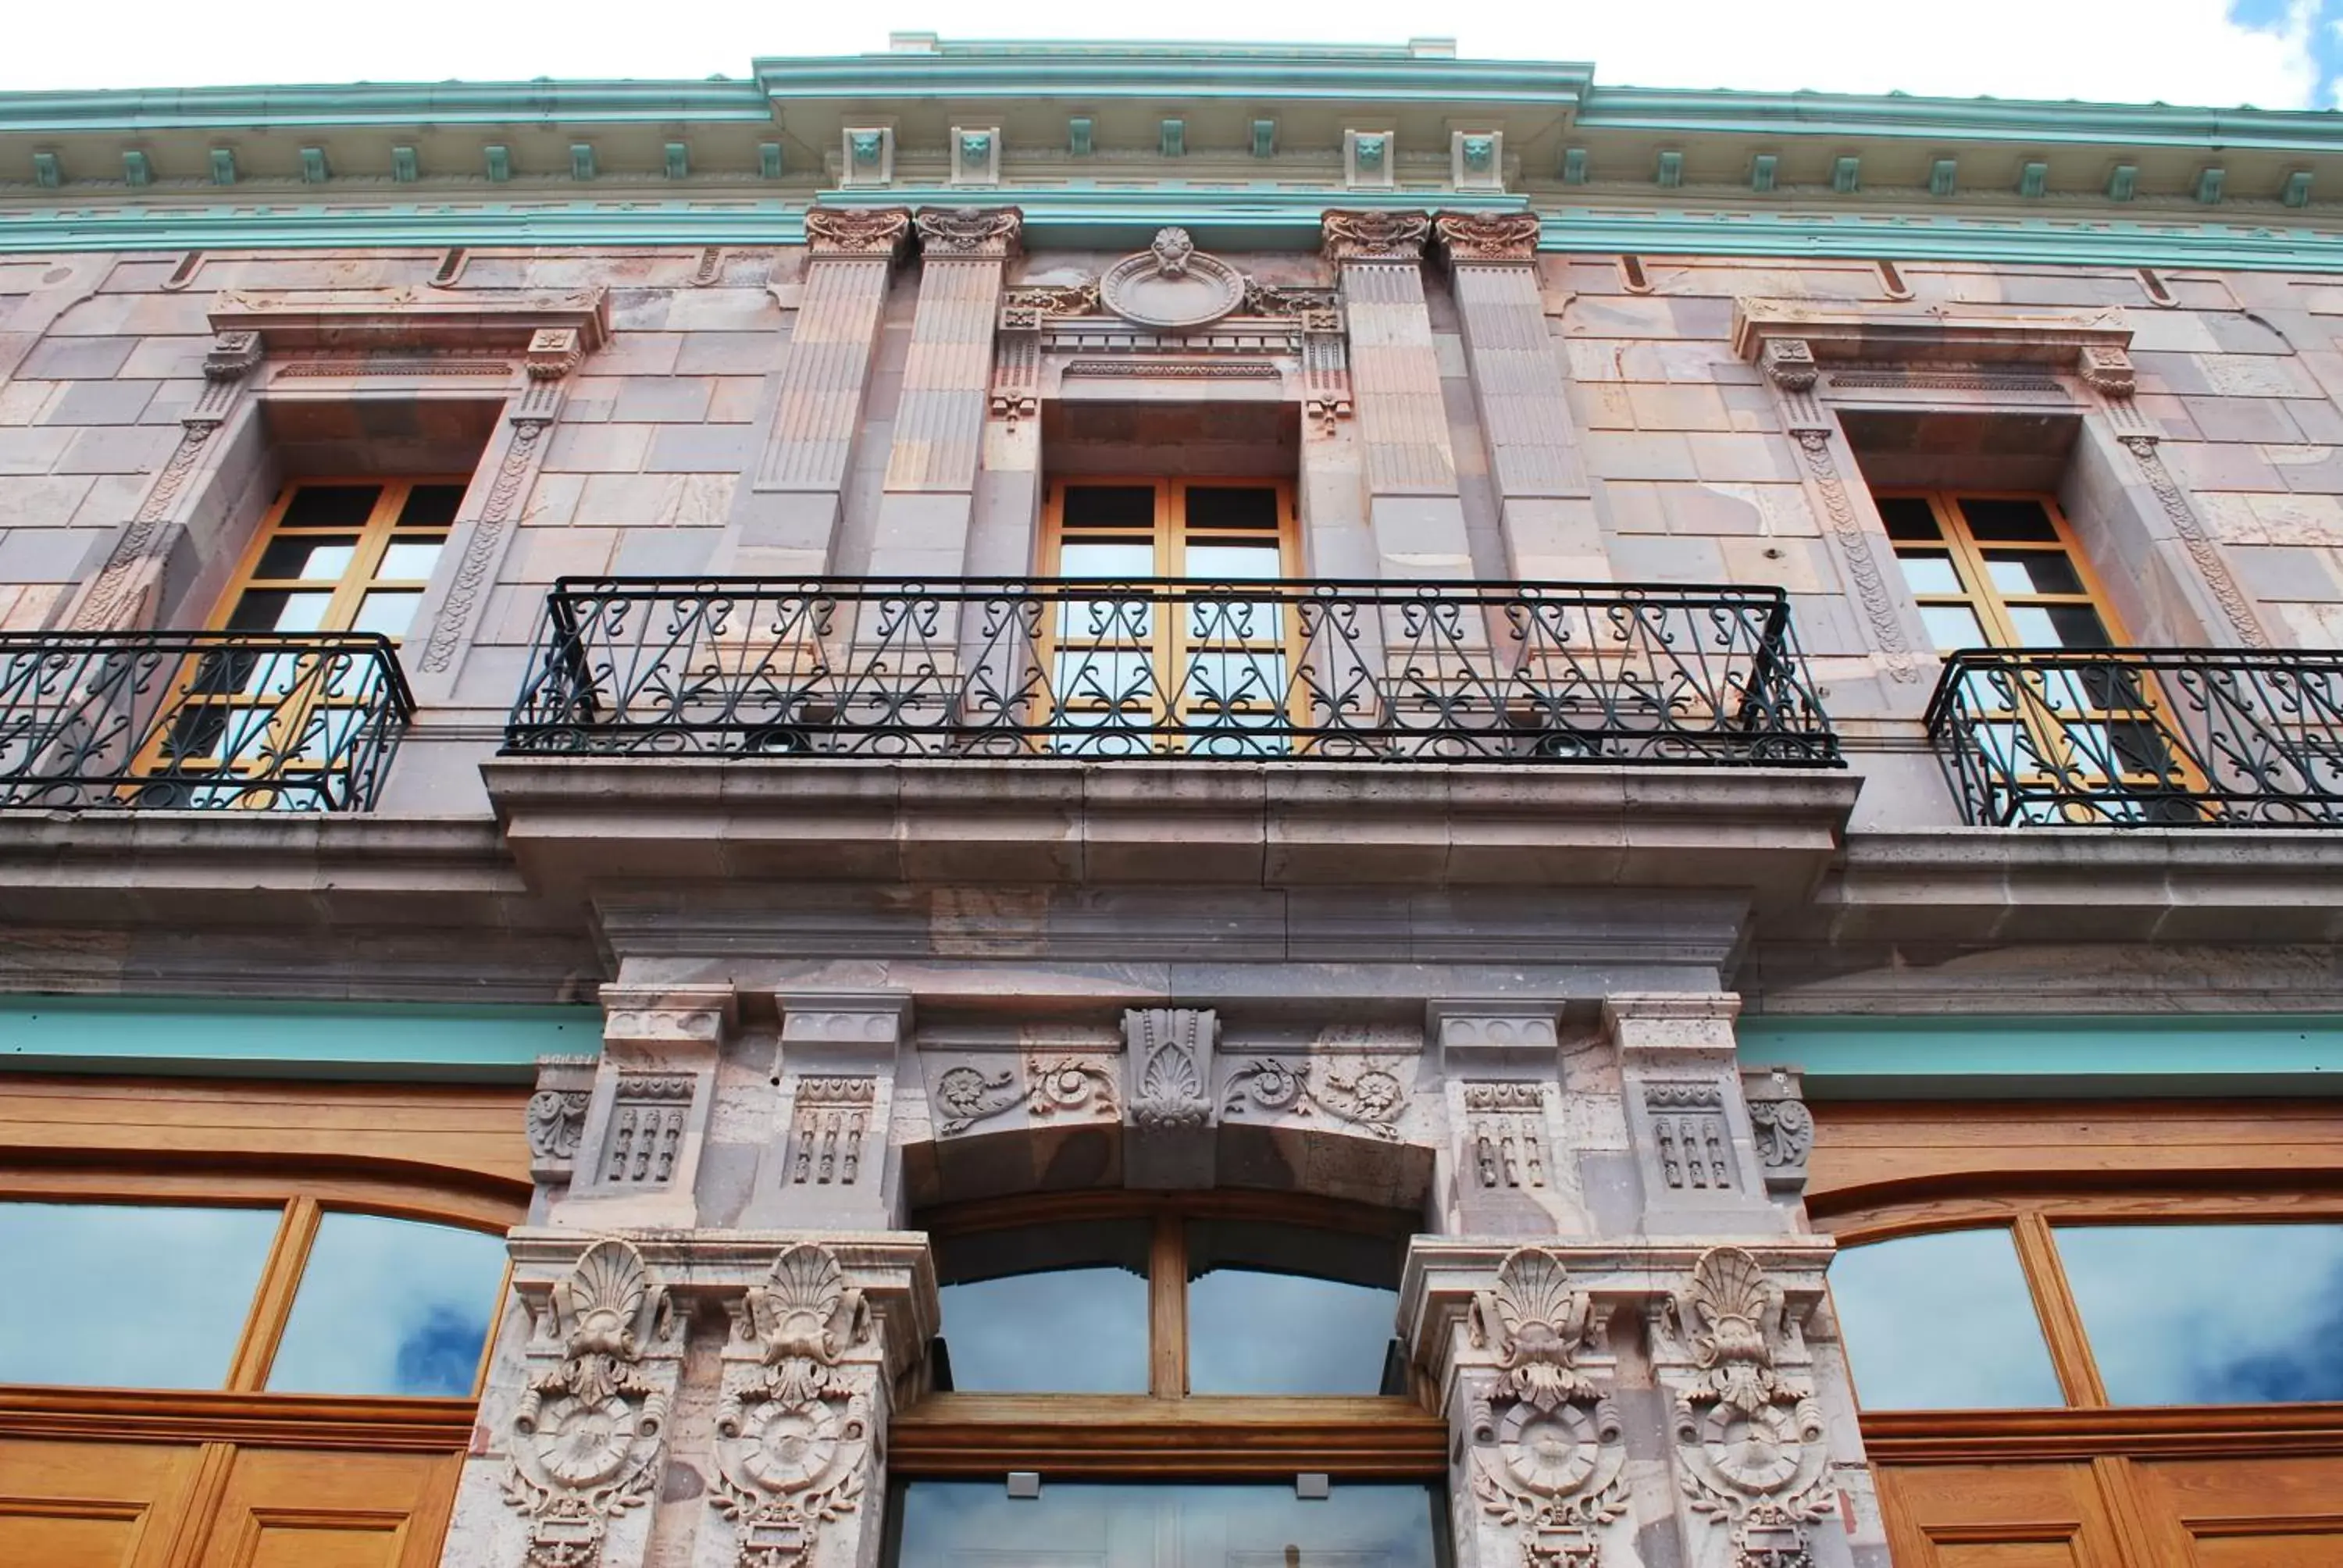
(1507, 1147)
(830, 1126)
(488, 534)
(1858, 547)
(1690, 1130)
(2204, 552)
(826, 369)
(1517, 373)
(1395, 367)
(638, 1160)
(556, 1117)
(832, 1159)
(947, 373)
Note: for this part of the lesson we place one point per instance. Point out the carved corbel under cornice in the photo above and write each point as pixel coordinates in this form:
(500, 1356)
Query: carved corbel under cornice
(1375, 236)
(1499, 237)
(857, 234)
(970, 233)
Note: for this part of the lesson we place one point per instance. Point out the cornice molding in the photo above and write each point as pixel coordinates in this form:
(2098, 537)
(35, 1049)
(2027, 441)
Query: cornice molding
(422, 318)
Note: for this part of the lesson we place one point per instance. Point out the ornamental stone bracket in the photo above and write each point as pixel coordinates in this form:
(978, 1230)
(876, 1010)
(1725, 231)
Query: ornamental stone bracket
(831, 1160)
(556, 1118)
(1172, 313)
(1169, 1114)
(769, 1452)
(639, 1154)
(1596, 1390)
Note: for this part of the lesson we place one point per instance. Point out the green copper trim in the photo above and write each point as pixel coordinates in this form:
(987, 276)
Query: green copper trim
(2014, 1057)
(389, 104)
(309, 1039)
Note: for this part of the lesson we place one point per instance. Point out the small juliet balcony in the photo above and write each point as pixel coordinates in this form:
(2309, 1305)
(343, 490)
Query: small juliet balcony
(1534, 674)
(198, 720)
(2135, 737)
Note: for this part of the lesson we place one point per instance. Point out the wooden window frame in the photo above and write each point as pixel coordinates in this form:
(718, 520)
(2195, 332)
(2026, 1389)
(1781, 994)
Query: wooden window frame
(1171, 648)
(1167, 1434)
(376, 536)
(244, 1411)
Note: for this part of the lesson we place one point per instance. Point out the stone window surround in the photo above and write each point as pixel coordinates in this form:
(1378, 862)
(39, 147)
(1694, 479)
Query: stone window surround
(510, 345)
(1983, 355)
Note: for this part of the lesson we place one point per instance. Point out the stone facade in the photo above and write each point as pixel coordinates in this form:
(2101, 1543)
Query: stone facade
(839, 992)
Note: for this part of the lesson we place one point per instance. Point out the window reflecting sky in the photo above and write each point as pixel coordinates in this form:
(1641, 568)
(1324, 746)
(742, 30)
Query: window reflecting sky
(1167, 1526)
(1253, 1333)
(2210, 1314)
(1942, 1321)
(1046, 1308)
(113, 1295)
(390, 1307)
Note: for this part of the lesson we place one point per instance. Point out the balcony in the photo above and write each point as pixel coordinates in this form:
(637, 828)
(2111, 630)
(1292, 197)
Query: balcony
(2128, 738)
(1537, 674)
(203, 721)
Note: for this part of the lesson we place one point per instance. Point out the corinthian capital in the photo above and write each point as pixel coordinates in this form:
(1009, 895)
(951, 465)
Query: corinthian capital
(1375, 236)
(846, 231)
(1488, 236)
(974, 231)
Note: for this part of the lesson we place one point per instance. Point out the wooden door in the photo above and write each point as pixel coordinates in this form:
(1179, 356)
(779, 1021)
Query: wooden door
(94, 1504)
(1996, 1516)
(290, 1508)
(2277, 1513)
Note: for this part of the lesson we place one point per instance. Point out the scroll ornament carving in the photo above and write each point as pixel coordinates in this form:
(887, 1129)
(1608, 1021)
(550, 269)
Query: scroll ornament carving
(2202, 550)
(1049, 299)
(1488, 236)
(1854, 544)
(1550, 1448)
(1784, 1130)
(116, 599)
(1067, 1085)
(1375, 236)
(1287, 299)
(483, 549)
(970, 231)
(588, 1434)
(555, 1119)
(793, 1426)
(846, 232)
(1170, 1051)
(1749, 1437)
(1373, 1099)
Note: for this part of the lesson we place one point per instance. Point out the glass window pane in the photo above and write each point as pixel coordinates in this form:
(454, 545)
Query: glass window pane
(1952, 626)
(128, 1296)
(2210, 1314)
(1280, 1309)
(386, 610)
(390, 1306)
(266, 609)
(1942, 1322)
(430, 506)
(1110, 507)
(2016, 520)
(1234, 563)
(2058, 626)
(1079, 1525)
(307, 558)
(1908, 518)
(1232, 507)
(1054, 1309)
(410, 560)
(1929, 571)
(2023, 572)
(1099, 558)
(330, 506)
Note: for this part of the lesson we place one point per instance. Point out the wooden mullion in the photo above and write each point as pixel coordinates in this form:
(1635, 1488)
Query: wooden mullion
(272, 1303)
(191, 1532)
(2062, 1321)
(1167, 1308)
(2130, 1520)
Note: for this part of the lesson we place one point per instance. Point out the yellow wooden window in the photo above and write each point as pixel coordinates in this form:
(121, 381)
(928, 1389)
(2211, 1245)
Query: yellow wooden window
(343, 554)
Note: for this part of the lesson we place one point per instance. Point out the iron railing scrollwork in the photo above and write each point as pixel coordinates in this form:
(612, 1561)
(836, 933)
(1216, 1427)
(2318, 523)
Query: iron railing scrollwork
(187, 720)
(1332, 671)
(2130, 738)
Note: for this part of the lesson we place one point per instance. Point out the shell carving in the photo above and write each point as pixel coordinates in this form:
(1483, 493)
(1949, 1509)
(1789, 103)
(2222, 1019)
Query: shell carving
(1539, 1323)
(1737, 1309)
(600, 1308)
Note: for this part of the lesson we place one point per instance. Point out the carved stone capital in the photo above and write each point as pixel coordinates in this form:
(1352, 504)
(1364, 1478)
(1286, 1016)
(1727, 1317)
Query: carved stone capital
(976, 232)
(680, 1015)
(2107, 370)
(1375, 236)
(231, 355)
(1789, 363)
(553, 352)
(853, 232)
(1487, 237)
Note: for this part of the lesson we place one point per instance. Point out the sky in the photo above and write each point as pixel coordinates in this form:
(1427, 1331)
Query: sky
(2276, 54)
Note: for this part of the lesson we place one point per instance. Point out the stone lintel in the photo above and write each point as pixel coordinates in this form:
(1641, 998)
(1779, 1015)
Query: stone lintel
(2091, 343)
(414, 319)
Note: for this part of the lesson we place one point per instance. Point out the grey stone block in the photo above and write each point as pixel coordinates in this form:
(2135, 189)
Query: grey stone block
(119, 449)
(101, 403)
(702, 449)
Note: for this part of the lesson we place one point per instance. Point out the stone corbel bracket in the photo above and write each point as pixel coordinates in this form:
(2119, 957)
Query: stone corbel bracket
(1792, 339)
(556, 1117)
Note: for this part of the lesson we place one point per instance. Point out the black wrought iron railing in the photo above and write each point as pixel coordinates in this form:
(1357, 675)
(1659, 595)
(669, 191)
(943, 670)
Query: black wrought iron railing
(1335, 671)
(198, 719)
(2132, 737)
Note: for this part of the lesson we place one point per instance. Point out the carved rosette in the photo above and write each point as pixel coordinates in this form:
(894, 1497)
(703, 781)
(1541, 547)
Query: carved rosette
(966, 1096)
(978, 233)
(1375, 236)
(1549, 1451)
(794, 1425)
(1487, 237)
(588, 1434)
(848, 231)
(1748, 1436)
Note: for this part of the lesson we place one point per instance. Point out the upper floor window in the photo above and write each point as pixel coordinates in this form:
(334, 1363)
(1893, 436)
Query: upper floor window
(1995, 571)
(343, 554)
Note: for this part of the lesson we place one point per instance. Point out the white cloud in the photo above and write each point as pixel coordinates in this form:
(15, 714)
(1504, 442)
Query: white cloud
(2178, 51)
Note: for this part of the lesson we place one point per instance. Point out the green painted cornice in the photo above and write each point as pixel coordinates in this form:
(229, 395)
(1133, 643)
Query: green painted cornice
(1897, 116)
(185, 225)
(1264, 73)
(411, 106)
